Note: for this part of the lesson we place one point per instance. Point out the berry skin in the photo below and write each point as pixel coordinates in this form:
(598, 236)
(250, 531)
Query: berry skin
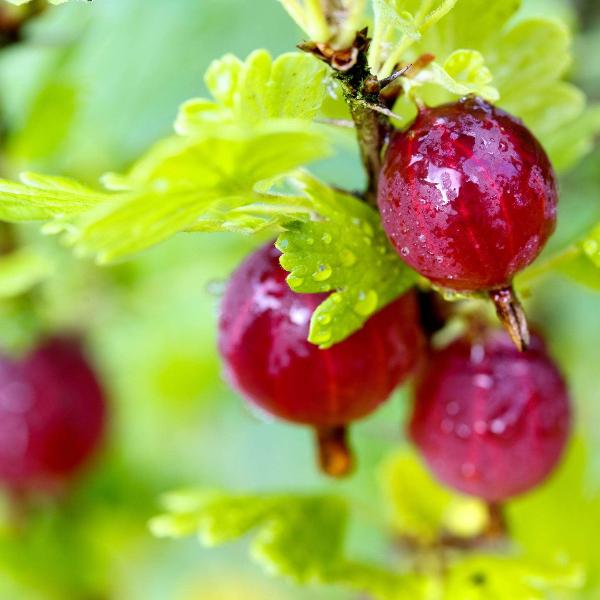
(467, 195)
(52, 416)
(491, 421)
(263, 340)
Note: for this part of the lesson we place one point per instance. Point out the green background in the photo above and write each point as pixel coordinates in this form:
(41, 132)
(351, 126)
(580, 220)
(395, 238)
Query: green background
(92, 87)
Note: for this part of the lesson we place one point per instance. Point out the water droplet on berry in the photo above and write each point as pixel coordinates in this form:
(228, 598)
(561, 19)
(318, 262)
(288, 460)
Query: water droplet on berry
(463, 431)
(480, 427)
(422, 238)
(477, 353)
(498, 426)
(367, 303)
(322, 273)
(483, 381)
(452, 408)
(405, 251)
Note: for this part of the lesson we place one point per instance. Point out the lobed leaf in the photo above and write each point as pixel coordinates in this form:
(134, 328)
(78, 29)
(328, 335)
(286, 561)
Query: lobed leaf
(344, 251)
(293, 86)
(298, 537)
(481, 48)
(482, 577)
(42, 197)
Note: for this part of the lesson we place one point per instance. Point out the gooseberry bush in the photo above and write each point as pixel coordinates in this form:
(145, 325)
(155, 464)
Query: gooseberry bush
(464, 122)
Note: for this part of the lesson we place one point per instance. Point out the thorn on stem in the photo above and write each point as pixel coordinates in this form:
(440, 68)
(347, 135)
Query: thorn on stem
(512, 316)
(335, 456)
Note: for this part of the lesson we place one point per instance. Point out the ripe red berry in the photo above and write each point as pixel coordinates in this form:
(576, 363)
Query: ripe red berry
(52, 414)
(468, 198)
(467, 195)
(263, 339)
(489, 420)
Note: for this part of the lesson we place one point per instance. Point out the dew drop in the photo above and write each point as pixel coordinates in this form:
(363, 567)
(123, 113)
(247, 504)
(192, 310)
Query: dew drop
(447, 425)
(439, 259)
(322, 273)
(422, 238)
(483, 381)
(366, 227)
(463, 431)
(453, 408)
(322, 336)
(367, 303)
(294, 282)
(405, 251)
(498, 426)
(283, 244)
(480, 427)
(336, 298)
(324, 319)
(348, 258)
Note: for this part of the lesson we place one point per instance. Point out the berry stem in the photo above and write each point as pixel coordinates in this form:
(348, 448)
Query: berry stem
(512, 316)
(335, 455)
(497, 526)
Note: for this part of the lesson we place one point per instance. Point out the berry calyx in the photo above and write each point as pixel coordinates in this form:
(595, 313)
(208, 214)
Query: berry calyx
(52, 416)
(263, 335)
(489, 420)
(468, 198)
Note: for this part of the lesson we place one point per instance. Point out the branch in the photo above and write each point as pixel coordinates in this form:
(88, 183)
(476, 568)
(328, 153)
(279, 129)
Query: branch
(361, 90)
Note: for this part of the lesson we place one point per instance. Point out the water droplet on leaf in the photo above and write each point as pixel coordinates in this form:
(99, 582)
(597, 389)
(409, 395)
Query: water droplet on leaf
(322, 273)
(367, 303)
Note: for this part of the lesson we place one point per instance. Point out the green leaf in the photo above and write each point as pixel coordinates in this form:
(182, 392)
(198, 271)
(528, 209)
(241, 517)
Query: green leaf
(42, 197)
(479, 49)
(291, 87)
(517, 578)
(213, 177)
(297, 537)
(421, 508)
(21, 270)
(211, 184)
(462, 73)
(344, 251)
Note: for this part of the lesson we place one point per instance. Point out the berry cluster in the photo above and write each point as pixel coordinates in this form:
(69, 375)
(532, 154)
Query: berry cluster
(468, 198)
(52, 416)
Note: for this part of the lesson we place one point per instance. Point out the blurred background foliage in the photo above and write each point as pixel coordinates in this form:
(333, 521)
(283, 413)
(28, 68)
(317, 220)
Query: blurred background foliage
(86, 92)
